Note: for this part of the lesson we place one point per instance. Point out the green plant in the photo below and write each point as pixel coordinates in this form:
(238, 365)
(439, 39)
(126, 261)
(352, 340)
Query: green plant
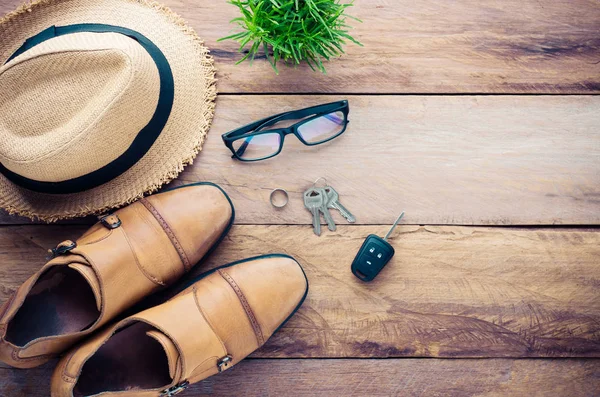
(293, 30)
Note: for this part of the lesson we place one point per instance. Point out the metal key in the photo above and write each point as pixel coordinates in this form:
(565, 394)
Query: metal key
(313, 201)
(334, 202)
(325, 209)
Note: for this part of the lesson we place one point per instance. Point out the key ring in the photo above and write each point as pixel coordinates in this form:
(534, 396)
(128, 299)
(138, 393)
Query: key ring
(318, 179)
(273, 198)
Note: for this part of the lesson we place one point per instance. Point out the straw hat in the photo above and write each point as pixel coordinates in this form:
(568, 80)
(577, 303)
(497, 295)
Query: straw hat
(101, 101)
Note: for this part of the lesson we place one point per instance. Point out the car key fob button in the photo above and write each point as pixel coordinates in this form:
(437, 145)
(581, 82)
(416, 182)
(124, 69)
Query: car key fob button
(372, 257)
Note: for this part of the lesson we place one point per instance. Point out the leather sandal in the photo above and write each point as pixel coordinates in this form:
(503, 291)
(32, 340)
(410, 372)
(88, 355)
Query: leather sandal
(207, 328)
(126, 256)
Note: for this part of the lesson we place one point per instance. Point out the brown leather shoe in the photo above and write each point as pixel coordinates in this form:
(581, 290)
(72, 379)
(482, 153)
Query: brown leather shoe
(209, 327)
(126, 256)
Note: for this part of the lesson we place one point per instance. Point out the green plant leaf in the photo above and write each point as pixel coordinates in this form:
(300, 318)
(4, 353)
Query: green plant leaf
(292, 31)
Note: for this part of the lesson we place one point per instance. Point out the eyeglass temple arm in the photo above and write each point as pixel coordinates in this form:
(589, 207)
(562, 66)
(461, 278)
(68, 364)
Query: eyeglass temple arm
(243, 130)
(300, 114)
(243, 146)
(333, 118)
(257, 125)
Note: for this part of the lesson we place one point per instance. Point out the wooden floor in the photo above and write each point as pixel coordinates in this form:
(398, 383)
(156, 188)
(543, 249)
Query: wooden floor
(481, 120)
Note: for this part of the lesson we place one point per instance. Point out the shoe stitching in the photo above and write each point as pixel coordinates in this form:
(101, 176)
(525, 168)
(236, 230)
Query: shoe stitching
(68, 363)
(72, 354)
(15, 356)
(163, 223)
(179, 366)
(68, 379)
(194, 291)
(169, 357)
(99, 238)
(167, 334)
(7, 306)
(139, 265)
(255, 325)
(194, 374)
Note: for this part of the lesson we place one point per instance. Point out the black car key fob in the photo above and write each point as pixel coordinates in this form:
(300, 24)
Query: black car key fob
(373, 255)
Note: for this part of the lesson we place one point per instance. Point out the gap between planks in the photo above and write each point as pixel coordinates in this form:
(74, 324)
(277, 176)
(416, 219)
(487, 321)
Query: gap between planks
(391, 94)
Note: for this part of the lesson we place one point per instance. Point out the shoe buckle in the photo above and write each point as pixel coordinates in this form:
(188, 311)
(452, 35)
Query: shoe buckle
(174, 390)
(61, 249)
(224, 362)
(110, 221)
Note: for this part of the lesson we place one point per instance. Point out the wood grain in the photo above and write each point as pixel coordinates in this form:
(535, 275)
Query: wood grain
(377, 378)
(446, 160)
(474, 160)
(503, 160)
(427, 46)
(448, 292)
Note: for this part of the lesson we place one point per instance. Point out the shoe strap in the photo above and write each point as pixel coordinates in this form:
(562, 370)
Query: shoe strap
(173, 357)
(181, 319)
(92, 279)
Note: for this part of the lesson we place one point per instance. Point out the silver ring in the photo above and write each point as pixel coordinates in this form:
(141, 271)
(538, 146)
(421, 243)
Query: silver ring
(285, 194)
(318, 179)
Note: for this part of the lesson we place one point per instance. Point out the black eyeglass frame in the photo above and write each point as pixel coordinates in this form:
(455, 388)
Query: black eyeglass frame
(256, 128)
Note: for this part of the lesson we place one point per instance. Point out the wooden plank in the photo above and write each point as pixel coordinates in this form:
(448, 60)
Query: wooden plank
(444, 160)
(501, 160)
(427, 46)
(394, 377)
(448, 292)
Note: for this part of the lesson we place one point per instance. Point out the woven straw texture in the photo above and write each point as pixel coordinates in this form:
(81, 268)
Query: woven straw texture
(179, 142)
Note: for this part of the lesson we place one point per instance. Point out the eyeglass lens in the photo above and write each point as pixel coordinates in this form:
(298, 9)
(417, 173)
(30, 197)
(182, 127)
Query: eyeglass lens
(256, 147)
(322, 128)
(317, 130)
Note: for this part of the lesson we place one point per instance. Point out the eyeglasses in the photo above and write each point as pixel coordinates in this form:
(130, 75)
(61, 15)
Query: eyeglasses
(263, 139)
